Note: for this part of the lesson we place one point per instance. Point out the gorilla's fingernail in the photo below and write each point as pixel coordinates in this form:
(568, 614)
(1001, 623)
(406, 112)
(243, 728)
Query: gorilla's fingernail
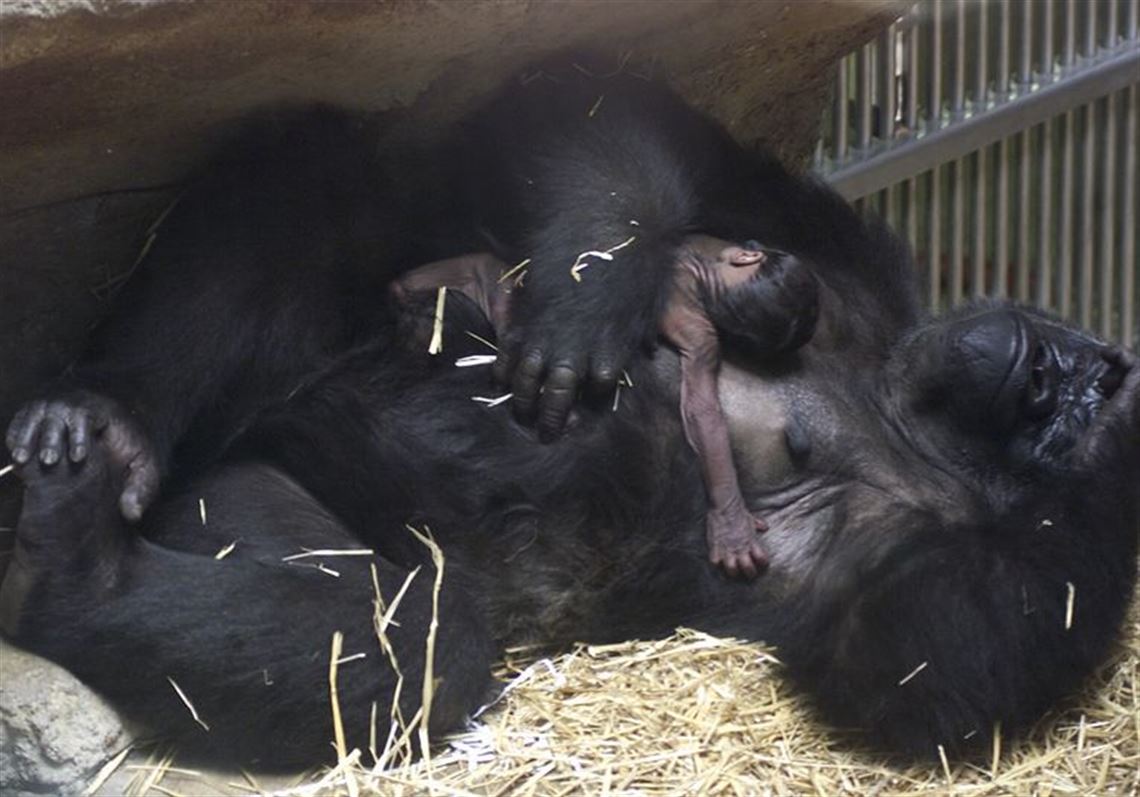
(20, 456)
(78, 453)
(130, 509)
(49, 456)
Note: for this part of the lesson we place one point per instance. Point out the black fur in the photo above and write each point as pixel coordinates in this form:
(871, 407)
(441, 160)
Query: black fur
(910, 527)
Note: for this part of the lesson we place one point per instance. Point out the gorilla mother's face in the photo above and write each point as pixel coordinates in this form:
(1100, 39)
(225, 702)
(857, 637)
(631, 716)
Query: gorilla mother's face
(1010, 380)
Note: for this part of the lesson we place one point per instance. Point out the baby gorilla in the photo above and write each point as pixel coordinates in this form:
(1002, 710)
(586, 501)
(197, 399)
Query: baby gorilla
(762, 302)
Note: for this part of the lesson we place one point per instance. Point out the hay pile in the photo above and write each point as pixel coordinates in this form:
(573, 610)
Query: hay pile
(695, 714)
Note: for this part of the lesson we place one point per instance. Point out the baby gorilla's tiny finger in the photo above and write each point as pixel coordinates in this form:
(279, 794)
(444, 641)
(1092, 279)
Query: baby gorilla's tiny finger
(727, 564)
(747, 568)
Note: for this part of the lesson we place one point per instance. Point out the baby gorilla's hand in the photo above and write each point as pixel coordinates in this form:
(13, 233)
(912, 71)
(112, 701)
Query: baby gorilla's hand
(734, 542)
(48, 429)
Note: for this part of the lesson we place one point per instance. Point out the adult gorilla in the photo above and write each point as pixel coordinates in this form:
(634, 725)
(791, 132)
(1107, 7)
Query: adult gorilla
(954, 498)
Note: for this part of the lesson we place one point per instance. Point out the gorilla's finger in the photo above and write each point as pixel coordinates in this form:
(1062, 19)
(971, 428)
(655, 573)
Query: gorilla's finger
(527, 382)
(51, 438)
(503, 369)
(140, 488)
(79, 424)
(557, 400)
(604, 373)
(24, 430)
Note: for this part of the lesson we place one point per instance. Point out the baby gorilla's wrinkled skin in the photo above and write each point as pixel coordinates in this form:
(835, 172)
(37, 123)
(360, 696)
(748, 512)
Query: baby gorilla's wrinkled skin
(708, 271)
(711, 270)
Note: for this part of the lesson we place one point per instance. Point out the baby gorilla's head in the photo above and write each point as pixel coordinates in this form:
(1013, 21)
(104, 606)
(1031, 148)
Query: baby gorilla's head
(763, 301)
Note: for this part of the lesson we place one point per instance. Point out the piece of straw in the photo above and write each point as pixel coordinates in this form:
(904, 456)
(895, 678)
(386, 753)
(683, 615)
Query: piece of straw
(182, 696)
(436, 344)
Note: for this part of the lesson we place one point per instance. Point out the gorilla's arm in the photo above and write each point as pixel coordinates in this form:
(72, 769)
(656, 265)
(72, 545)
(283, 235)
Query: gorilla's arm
(248, 284)
(596, 199)
(593, 182)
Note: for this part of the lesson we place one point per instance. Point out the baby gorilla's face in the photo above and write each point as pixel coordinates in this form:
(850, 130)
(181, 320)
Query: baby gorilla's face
(728, 264)
(764, 302)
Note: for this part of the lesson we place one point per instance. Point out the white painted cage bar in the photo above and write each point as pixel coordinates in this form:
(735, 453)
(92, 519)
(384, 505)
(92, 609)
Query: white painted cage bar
(1000, 137)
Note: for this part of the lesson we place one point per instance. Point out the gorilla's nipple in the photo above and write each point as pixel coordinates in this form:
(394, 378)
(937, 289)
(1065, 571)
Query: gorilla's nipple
(797, 440)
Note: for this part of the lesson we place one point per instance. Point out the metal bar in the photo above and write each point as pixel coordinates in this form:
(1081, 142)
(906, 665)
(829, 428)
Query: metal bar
(981, 73)
(1133, 23)
(1110, 31)
(934, 240)
(1090, 29)
(1085, 262)
(1107, 249)
(1129, 262)
(839, 113)
(955, 141)
(912, 76)
(958, 77)
(978, 252)
(1046, 63)
(864, 105)
(1003, 53)
(1024, 203)
(1045, 227)
(957, 229)
(934, 89)
(1001, 222)
(1065, 228)
(887, 87)
(1070, 53)
(1025, 70)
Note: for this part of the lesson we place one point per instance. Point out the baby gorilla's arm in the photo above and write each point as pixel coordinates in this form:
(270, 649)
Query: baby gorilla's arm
(475, 276)
(730, 529)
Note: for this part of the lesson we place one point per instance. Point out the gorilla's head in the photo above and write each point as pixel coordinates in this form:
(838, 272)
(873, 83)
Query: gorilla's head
(1012, 384)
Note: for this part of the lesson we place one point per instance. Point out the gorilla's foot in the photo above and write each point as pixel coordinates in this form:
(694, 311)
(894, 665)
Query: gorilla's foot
(69, 531)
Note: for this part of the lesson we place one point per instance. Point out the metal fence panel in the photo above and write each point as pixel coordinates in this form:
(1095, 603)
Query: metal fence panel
(1000, 138)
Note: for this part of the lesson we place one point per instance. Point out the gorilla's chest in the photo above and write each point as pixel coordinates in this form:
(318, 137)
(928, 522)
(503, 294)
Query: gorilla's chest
(782, 425)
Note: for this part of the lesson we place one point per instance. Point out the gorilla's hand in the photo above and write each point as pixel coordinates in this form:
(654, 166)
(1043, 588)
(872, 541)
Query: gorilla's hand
(1113, 438)
(547, 361)
(49, 429)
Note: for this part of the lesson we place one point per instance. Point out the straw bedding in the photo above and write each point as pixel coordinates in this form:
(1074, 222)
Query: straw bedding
(694, 714)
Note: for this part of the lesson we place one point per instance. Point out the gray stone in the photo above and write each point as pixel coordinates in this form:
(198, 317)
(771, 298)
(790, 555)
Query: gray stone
(55, 733)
